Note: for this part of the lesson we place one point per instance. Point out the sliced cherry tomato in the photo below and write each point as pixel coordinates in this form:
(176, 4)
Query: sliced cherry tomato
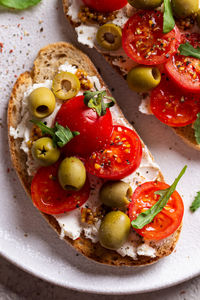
(119, 158)
(144, 41)
(173, 107)
(105, 5)
(167, 221)
(49, 197)
(185, 71)
(94, 131)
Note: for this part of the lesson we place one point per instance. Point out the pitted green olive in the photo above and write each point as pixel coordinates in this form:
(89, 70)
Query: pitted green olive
(116, 194)
(44, 151)
(65, 85)
(41, 102)
(109, 36)
(143, 78)
(185, 8)
(145, 4)
(114, 230)
(72, 174)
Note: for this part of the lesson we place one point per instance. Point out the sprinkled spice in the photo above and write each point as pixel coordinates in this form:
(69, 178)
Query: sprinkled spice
(36, 133)
(186, 23)
(90, 217)
(88, 15)
(1, 47)
(84, 81)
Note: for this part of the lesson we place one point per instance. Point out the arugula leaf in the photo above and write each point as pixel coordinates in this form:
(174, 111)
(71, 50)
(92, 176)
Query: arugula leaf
(188, 50)
(196, 203)
(197, 129)
(60, 135)
(95, 100)
(64, 135)
(19, 4)
(168, 19)
(147, 216)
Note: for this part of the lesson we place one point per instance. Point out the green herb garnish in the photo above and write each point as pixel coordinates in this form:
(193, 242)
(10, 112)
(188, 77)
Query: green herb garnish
(95, 100)
(196, 203)
(19, 4)
(197, 129)
(147, 216)
(168, 19)
(188, 50)
(60, 135)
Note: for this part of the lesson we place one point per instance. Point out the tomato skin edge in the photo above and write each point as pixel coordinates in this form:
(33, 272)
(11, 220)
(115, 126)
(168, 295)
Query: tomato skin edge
(179, 79)
(176, 196)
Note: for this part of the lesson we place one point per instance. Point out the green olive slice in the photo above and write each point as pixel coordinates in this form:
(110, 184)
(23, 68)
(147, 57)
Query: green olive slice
(114, 230)
(41, 102)
(109, 37)
(45, 152)
(72, 174)
(145, 4)
(185, 8)
(116, 194)
(143, 78)
(65, 85)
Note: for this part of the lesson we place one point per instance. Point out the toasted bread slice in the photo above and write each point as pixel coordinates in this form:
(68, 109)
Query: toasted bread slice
(45, 67)
(187, 132)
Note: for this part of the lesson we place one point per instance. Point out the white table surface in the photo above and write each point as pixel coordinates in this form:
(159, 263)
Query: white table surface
(17, 30)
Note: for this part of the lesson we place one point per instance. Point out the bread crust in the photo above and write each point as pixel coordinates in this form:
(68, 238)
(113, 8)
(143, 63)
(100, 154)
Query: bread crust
(47, 62)
(185, 133)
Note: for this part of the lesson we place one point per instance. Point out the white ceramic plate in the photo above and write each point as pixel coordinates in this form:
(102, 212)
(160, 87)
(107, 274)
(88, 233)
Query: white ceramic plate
(25, 238)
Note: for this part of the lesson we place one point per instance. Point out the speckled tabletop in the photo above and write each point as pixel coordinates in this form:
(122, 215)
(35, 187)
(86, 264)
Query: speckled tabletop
(29, 30)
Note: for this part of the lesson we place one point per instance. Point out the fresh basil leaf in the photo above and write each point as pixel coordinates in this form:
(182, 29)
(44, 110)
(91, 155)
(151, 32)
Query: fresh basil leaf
(197, 129)
(95, 100)
(60, 135)
(188, 50)
(19, 4)
(147, 216)
(168, 19)
(196, 203)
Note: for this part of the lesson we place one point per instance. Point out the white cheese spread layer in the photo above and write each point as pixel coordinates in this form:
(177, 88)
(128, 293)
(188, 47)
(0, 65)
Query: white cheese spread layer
(70, 222)
(87, 33)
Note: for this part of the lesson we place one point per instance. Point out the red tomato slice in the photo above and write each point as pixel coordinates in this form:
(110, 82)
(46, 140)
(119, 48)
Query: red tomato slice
(144, 41)
(167, 221)
(94, 131)
(119, 158)
(185, 71)
(173, 107)
(105, 5)
(49, 197)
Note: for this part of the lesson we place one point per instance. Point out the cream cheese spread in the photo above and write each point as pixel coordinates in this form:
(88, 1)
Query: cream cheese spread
(70, 222)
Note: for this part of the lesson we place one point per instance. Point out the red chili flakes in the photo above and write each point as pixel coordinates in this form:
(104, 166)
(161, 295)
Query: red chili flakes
(1, 47)
(11, 51)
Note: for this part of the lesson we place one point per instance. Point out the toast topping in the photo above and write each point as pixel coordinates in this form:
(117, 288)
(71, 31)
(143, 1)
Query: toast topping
(86, 218)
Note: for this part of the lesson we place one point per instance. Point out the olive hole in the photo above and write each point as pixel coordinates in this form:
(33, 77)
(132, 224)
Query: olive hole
(109, 37)
(70, 187)
(66, 85)
(43, 151)
(42, 109)
(155, 73)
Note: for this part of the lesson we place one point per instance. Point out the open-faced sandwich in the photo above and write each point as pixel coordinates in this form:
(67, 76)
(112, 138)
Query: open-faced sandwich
(154, 44)
(84, 166)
